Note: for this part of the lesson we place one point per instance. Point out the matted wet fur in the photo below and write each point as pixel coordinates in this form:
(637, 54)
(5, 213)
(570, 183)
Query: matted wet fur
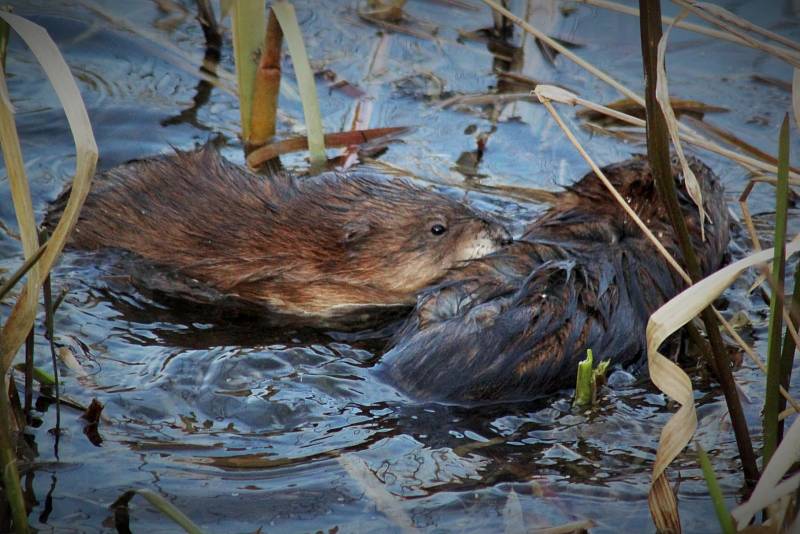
(321, 248)
(515, 324)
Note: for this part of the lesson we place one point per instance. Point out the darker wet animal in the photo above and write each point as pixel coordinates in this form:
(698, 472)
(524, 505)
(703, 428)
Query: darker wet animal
(514, 325)
(319, 250)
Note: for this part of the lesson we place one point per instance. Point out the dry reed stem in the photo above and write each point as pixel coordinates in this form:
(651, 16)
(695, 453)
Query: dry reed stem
(669, 377)
(566, 52)
(267, 85)
(569, 54)
(697, 28)
(558, 94)
(730, 23)
(608, 185)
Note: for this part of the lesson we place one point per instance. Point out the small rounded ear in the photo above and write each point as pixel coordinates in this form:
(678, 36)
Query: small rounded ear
(356, 230)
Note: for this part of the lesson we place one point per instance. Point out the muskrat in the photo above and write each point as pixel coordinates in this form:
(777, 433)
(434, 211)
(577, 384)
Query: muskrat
(320, 248)
(514, 325)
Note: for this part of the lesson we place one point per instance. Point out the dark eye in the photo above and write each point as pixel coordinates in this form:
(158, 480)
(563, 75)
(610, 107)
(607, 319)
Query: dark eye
(438, 229)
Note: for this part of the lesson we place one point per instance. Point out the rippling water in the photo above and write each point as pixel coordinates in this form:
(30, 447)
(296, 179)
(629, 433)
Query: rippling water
(246, 428)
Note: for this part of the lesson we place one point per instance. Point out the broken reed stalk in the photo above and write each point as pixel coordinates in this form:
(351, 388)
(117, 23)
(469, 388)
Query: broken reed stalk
(248, 27)
(267, 85)
(659, 156)
(774, 343)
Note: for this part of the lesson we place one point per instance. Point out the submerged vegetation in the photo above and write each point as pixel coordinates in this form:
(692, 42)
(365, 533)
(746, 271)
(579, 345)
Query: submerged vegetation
(258, 32)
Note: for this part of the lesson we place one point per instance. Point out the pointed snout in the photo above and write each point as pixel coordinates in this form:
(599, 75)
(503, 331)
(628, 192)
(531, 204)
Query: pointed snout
(498, 233)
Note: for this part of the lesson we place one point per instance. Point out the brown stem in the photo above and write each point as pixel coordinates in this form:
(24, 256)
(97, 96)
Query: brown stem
(267, 85)
(659, 156)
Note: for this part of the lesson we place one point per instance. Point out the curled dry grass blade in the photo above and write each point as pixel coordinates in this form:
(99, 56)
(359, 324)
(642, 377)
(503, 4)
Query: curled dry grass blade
(284, 12)
(672, 374)
(557, 94)
(662, 97)
(670, 378)
(20, 321)
(46, 52)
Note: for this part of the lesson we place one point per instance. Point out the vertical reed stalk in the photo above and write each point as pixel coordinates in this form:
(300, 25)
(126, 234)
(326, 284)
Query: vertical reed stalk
(774, 343)
(267, 84)
(659, 156)
(248, 35)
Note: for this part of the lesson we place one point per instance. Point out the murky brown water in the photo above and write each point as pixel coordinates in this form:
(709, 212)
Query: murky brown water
(286, 431)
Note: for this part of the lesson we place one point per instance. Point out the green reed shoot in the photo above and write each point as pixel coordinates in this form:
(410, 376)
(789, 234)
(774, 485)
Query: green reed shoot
(774, 343)
(723, 515)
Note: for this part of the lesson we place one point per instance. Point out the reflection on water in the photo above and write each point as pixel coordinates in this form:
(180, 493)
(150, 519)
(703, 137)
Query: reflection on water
(244, 427)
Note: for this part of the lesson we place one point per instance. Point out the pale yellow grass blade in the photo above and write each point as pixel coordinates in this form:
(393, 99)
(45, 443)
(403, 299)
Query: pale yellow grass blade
(284, 12)
(46, 52)
(667, 376)
(770, 488)
(662, 96)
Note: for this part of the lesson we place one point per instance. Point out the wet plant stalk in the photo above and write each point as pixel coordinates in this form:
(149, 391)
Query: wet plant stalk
(659, 156)
(50, 310)
(267, 85)
(774, 343)
(248, 36)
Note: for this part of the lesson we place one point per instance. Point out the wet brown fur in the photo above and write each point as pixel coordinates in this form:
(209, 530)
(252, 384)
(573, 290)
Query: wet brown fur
(315, 247)
(515, 324)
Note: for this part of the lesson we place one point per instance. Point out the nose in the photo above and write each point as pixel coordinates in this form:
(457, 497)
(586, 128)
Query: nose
(501, 235)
